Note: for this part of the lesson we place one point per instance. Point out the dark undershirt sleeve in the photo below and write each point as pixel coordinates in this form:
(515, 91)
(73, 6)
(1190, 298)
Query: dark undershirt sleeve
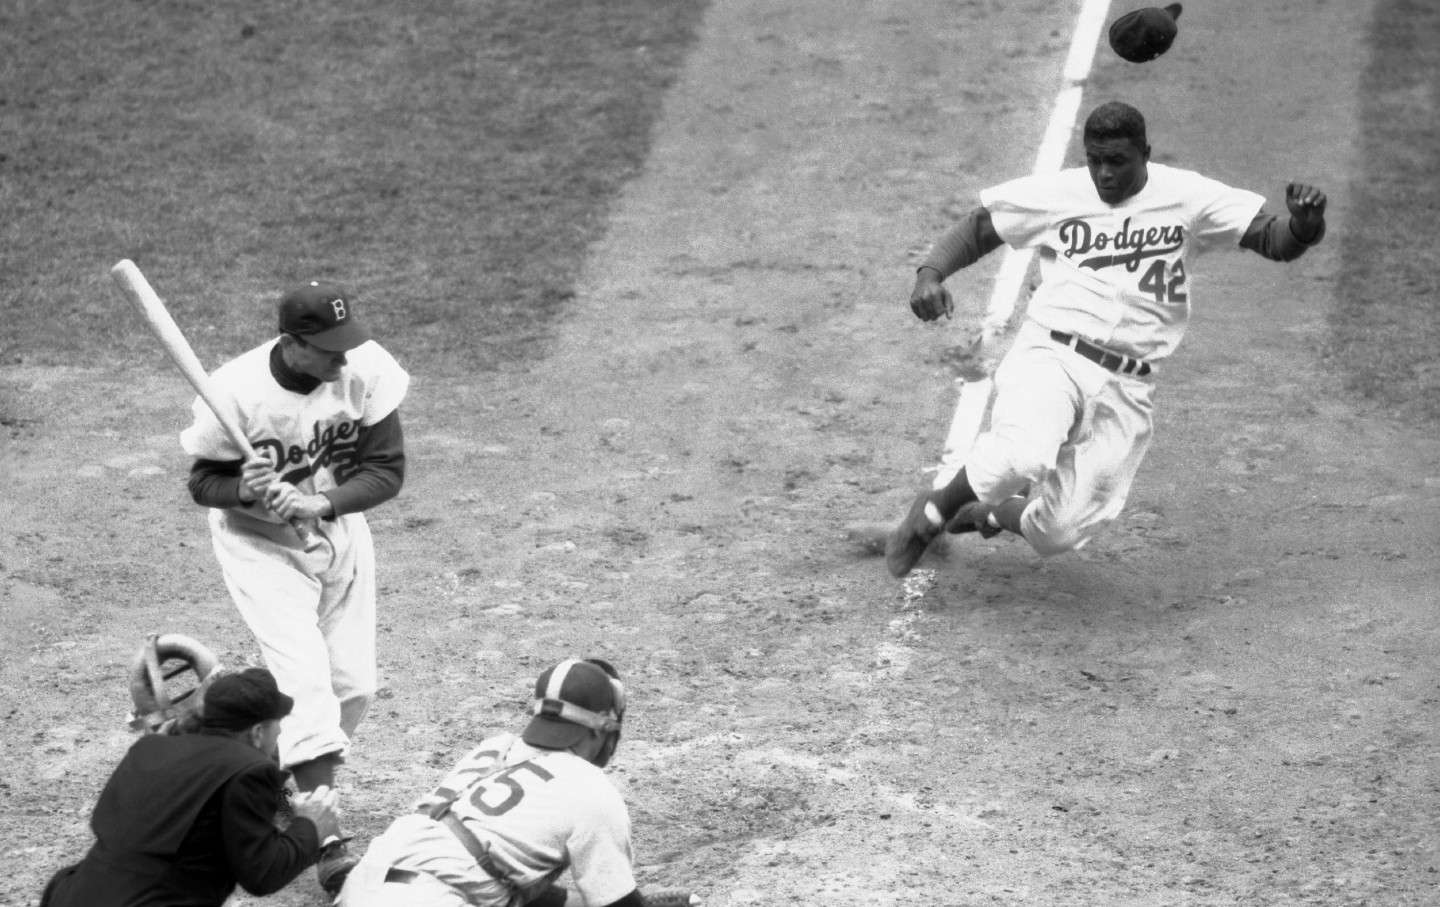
(972, 238)
(379, 475)
(215, 483)
(380, 455)
(1273, 237)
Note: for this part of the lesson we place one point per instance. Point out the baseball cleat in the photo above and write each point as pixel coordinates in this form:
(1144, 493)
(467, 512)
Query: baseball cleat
(908, 541)
(973, 517)
(333, 866)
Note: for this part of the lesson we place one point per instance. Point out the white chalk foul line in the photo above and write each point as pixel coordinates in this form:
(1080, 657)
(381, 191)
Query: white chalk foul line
(974, 395)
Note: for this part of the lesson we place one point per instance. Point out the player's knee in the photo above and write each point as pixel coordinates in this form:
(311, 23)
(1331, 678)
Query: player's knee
(1027, 465)
(1049, 544)
(1050, 536)
(998, 478)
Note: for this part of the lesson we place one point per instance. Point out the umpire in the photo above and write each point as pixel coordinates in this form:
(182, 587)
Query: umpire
(186, 818)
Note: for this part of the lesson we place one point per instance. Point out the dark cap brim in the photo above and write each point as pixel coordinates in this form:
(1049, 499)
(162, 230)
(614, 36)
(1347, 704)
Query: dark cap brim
(552, 733)
(339, 339)
(284, 706)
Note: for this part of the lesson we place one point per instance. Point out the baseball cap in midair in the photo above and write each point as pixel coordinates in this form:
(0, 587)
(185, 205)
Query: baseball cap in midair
(323, 314)
(571, 699)
(1144, 34)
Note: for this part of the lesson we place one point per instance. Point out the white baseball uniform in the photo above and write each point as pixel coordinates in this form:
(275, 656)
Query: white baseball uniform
(312, 616)
(1063, 429)
(533, 813)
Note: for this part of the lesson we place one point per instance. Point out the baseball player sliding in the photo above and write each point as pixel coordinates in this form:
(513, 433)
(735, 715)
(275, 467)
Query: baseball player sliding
(1072, 415)
(516, 812)
(320, 407)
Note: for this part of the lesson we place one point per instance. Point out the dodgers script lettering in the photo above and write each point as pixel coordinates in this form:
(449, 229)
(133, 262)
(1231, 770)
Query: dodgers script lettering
(1127, 245)
(333, 446)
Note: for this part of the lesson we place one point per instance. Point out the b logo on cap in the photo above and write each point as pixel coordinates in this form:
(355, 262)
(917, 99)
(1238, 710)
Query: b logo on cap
(337, 305)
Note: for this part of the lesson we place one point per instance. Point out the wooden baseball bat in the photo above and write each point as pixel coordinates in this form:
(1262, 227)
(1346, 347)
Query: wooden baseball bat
(137, 289)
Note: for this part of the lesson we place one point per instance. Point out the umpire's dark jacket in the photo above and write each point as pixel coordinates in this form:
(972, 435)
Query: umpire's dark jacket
(181, 821)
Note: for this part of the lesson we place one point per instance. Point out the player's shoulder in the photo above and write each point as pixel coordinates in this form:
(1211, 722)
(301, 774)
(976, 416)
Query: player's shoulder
(369, 353)
(1183, 180)
(584, 776)
(497, 749)
(240, 371)
(1062, 188)
(247, 359)
(371, 361)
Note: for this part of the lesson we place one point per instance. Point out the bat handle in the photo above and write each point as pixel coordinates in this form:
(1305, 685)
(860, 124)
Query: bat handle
(309, 532)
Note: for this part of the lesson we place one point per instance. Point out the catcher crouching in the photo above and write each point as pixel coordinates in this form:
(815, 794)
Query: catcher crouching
(517, 811)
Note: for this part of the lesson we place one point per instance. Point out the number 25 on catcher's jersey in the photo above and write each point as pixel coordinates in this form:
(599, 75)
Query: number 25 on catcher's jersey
(1153, 282)
(501, 792)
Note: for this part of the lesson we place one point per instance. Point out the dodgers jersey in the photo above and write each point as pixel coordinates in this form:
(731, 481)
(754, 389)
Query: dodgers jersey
(537, 812)
(312, 438)
(1116, 275)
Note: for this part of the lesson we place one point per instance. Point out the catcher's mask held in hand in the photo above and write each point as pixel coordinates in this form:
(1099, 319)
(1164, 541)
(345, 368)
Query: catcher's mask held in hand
(155, 706)
(572, 699)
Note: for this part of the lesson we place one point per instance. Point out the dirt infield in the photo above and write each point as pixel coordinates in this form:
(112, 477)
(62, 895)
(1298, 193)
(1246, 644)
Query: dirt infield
(1229, 699)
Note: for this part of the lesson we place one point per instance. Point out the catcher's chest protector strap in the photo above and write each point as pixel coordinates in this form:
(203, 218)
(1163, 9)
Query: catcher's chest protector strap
(475, 848)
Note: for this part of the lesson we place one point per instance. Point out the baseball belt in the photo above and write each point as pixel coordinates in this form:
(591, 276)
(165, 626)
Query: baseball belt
(1121, 365)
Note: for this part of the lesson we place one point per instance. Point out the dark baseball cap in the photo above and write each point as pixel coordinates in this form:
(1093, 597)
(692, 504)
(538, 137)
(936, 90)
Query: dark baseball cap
(242, 699)
(1144, 34)
(323, 314)
(571, 699)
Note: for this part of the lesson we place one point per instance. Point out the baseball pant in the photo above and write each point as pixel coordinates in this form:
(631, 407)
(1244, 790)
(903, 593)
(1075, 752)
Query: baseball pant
(1065, 431)
(439, 871)
(313, 618)
(420, 890)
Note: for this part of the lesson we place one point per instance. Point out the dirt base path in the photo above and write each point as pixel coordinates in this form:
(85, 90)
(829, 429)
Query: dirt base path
(1228, 699)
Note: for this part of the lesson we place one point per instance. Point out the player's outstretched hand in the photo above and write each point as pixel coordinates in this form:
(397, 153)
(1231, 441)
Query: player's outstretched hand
(929, 299)
(1307, 207)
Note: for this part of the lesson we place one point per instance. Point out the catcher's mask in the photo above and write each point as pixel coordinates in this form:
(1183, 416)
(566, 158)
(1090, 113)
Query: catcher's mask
(159, 702)
(573, 698)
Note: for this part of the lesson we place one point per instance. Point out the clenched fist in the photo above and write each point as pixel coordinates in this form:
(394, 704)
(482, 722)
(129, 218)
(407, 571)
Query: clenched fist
(929, 299)
(1307, 210)
(291, 503)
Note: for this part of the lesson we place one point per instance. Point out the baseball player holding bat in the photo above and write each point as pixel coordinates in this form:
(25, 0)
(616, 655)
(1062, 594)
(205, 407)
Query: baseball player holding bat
(517, 812)
(1072, 416)
(320, 407)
